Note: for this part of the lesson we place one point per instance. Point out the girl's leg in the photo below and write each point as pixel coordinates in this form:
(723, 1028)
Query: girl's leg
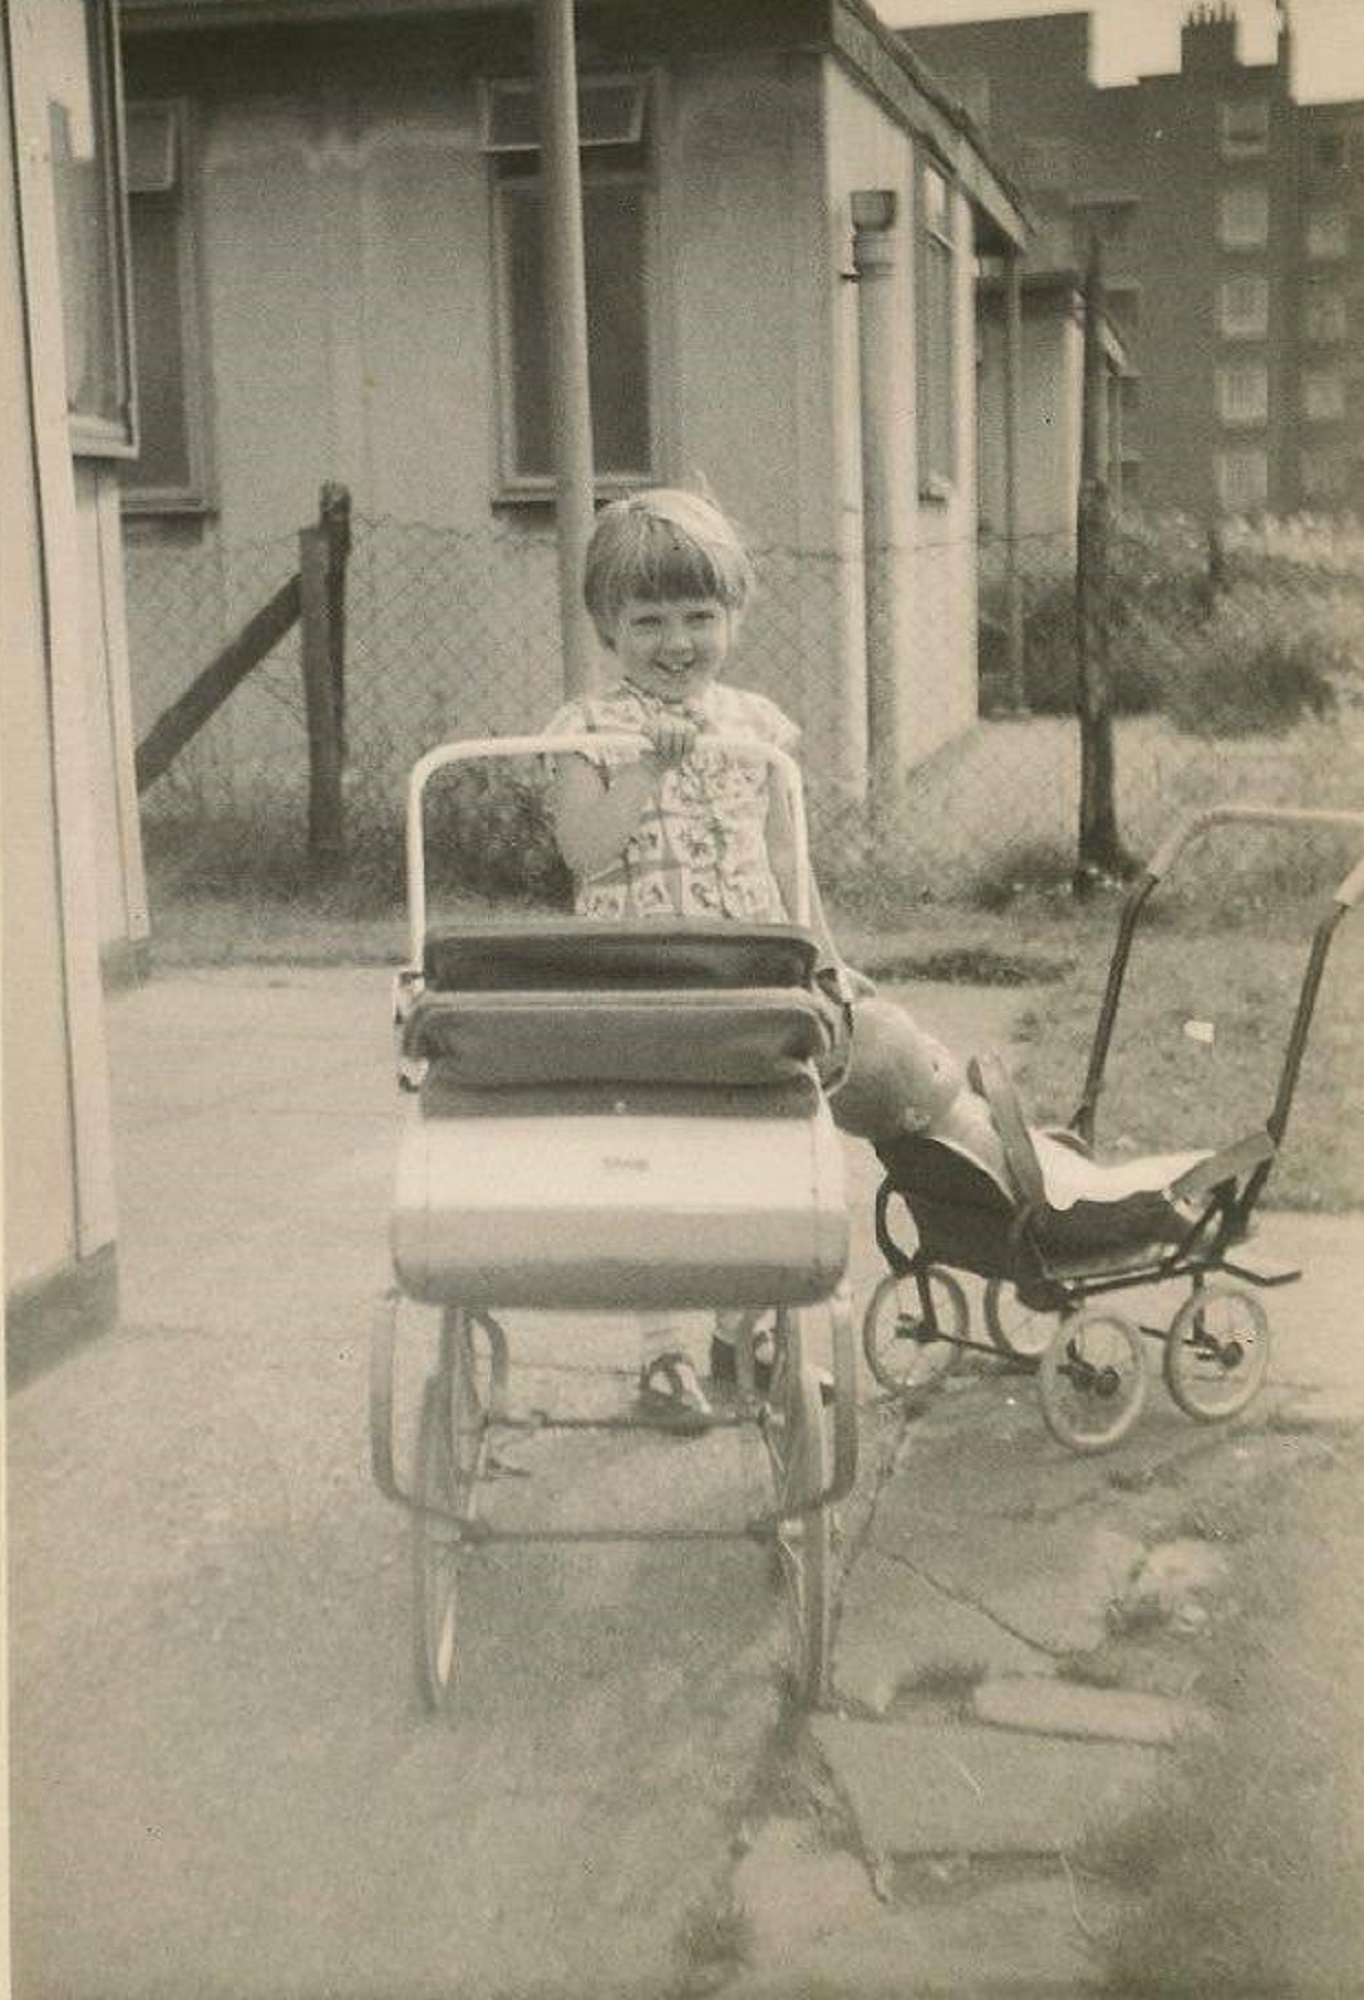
(669, 1388)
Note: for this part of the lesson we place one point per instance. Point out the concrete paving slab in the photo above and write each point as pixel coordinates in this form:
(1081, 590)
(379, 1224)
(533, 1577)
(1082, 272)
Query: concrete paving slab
(796, 1893)
(895, 1626)
(1018, 1938)
(1051, 1707)
(948, 1788)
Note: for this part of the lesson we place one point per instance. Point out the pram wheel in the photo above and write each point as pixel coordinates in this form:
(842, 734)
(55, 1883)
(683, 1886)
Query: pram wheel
(908, 1337)
(1216, 1353)
(1092, 1380)
(798, 1445)
(451, 1445)
(1016, 1330)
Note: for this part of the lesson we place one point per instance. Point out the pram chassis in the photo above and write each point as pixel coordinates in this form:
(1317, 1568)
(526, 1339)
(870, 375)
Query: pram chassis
(465, 1402)
(1047, 1312)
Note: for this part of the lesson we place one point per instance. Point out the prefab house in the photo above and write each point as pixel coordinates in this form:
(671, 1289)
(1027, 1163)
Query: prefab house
(338, 269)
(70, 850)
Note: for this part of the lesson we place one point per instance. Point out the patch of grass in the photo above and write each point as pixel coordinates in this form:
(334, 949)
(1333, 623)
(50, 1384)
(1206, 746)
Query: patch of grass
(1249, 1857)
(714, 1941)
(969, 965)
(949, 1681)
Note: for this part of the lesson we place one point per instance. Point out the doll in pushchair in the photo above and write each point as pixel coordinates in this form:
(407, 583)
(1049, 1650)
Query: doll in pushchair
(1049, 1226)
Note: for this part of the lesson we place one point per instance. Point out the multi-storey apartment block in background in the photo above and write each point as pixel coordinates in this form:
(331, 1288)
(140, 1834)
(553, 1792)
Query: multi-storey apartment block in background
(1231, 221)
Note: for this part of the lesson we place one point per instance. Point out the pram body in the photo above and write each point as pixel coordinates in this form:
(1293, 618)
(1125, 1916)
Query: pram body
(1050, 1272)
(612, 1118)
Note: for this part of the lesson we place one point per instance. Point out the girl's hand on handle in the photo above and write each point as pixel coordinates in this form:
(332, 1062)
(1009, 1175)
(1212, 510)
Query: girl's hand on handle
(672, 736)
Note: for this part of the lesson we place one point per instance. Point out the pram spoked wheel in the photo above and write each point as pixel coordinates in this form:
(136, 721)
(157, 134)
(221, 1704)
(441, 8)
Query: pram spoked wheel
(1217, 1352)
(452, 1442)
(913, 1326)
(1019, 1331)
(797, 1440)
(1092, 1380)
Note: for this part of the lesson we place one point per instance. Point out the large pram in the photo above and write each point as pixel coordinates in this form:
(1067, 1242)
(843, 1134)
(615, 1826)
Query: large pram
(610, 1118)
(1054, 1278)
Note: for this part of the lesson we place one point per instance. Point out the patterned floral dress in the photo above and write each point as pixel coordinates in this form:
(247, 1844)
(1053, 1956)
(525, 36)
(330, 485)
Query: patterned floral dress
(700, 849)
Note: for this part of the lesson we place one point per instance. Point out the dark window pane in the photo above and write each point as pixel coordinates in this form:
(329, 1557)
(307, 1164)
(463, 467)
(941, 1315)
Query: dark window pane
(614, 239)
(163, 459)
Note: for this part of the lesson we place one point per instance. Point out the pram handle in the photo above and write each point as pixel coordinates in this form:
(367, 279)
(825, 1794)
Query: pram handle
(589, 744)
(1188, 830)
(1344, 897)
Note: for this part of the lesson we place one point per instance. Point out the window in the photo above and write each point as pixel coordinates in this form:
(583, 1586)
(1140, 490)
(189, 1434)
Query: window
(1328, 233)
(1323, 315)
(618, 220)
(937, 335)
(1242, 480)
(1243, 308)
(1244, 128)
(1323, 395)
(1330, 152)
(1243, 394)
(91, 228)
(1322, 475)
(1243, 218)
(169, 473)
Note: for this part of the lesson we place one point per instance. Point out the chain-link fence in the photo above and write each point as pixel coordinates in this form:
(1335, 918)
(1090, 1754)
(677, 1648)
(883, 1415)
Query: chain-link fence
(1235, 663)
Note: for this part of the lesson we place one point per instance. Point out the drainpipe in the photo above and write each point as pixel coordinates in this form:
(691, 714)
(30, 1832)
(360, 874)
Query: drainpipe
(1013, 393)
(570, 395)
(885, 489)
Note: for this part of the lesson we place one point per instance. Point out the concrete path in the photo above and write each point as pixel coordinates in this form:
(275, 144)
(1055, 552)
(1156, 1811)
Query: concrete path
(192, 1524)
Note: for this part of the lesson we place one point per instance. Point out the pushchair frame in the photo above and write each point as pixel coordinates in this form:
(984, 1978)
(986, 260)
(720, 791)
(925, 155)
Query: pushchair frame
(1042, 1301)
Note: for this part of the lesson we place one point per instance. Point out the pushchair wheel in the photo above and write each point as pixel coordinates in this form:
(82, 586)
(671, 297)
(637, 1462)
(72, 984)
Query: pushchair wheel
(797, 1439)
(1016, 1330)
(451, 1446)
(1216, 1353)
(1092, 1380)
(909, 1338)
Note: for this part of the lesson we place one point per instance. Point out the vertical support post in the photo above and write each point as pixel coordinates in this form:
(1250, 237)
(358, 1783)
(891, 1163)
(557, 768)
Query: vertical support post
(569, 381)
(326, 828)
(1101, 855)
(1013, 403)
(334, 520)
(885, 496)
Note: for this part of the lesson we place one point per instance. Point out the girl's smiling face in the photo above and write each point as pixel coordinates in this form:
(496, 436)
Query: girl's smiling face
(672, 648)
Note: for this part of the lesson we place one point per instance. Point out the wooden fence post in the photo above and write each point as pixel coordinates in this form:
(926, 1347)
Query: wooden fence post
(320, 654)
(1101, 854)
(334, 519)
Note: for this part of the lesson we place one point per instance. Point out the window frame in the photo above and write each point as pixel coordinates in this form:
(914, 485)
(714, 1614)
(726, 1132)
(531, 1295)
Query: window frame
(511, 486)
(1233, 145)
(1233, 377)
(1325, 316)
(1326, 233)
(1245, 326)
(938, 428)
(1242, 455)
(1255, 237)
(195, 495)
(93, 434)
(1322, 396)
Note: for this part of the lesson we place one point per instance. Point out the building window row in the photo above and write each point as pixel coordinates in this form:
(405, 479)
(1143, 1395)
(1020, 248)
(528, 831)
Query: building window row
(1243, 393)
(1243, 307)
(1243, 216)
(1244, 128)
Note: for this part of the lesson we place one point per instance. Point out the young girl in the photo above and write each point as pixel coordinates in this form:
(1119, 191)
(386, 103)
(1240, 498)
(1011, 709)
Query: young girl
(689, 830)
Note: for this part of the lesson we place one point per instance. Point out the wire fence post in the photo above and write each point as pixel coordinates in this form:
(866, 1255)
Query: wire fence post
(321, 574)
(1101, 855)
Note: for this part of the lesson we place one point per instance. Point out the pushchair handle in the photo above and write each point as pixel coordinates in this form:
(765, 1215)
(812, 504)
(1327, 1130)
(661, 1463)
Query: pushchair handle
(586, 744)
(1188, 830)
